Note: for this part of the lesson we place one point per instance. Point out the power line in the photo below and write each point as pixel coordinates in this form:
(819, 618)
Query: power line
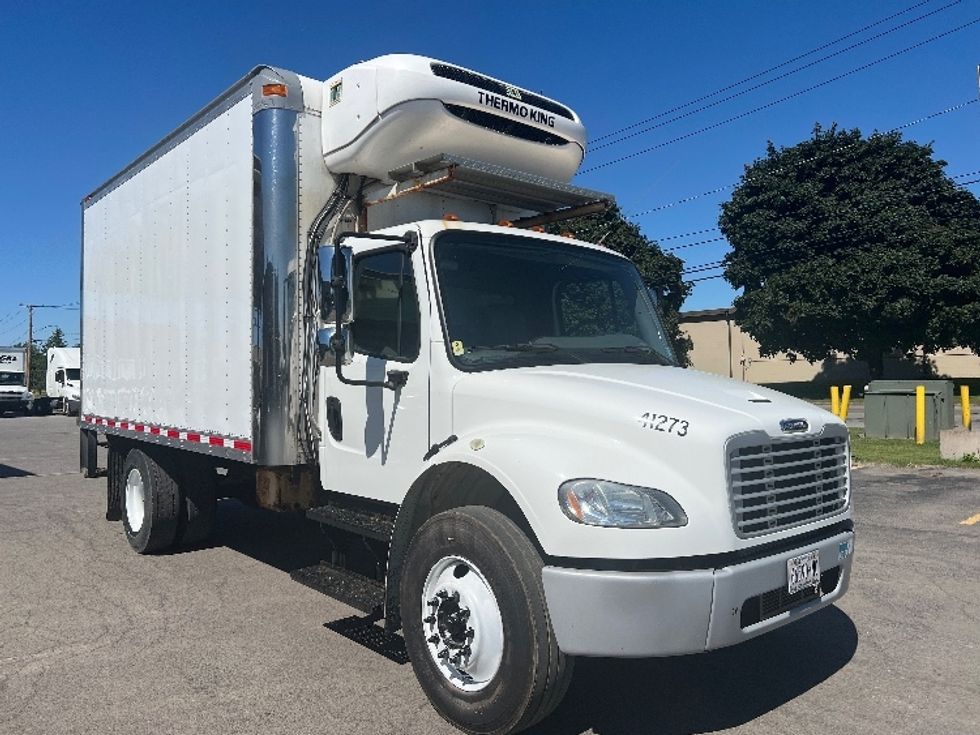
(718, 189)
(14, 329)
(773, 103)
(762, 73)
(692, 244)
(784, 75)
(687, 234)
(719, 239)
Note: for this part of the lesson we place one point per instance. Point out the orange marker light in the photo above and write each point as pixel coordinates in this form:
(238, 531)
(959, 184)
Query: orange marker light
(569, 235)
(273, 90)
(450, 217)
(537, 228)
(505, 223)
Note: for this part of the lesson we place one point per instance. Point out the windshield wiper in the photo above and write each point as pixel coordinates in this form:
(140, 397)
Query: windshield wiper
(640, 349)
(519, 347)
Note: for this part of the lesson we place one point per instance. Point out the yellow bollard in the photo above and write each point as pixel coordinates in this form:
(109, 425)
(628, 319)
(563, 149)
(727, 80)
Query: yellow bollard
(920, 414)
(834, 400)
(965, 401)
(845, 399)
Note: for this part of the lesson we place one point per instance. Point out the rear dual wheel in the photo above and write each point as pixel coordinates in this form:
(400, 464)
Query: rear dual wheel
(165, 501)
(476, 623)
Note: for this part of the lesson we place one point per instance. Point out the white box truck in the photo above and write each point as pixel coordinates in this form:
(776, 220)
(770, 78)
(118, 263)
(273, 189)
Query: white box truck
(63, 379)
(335, 297)
(14, 396)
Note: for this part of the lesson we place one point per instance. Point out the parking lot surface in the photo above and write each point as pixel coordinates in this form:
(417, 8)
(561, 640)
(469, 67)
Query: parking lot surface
(96, 639)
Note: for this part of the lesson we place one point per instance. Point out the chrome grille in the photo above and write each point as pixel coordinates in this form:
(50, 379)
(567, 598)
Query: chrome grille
(780, 483)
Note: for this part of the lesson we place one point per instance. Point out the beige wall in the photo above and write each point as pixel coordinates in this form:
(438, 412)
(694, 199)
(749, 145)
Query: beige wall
(721, 347)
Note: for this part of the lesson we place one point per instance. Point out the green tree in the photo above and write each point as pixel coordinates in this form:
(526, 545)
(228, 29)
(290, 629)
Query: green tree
(659, 270)
(853, 244)
(55, 339)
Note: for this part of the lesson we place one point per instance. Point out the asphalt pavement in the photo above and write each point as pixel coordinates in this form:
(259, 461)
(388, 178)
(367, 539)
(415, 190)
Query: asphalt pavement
(96, 639)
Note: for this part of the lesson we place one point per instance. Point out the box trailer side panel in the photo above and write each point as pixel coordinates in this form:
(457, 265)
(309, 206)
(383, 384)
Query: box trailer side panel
(168, 314)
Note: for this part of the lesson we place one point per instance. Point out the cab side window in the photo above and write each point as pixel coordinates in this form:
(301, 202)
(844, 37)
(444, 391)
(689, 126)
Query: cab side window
(386, 307)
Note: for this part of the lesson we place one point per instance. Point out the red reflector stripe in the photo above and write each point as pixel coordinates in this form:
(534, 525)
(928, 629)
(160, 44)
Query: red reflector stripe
(242, 445)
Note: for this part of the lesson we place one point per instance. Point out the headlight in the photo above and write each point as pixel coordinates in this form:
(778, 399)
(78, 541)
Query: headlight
(602, 503)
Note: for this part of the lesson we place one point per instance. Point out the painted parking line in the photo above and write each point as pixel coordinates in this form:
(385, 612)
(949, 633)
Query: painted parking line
(972, 520)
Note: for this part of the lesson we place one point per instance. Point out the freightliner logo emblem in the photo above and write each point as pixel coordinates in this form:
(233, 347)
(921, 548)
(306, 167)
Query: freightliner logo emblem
(794, 426)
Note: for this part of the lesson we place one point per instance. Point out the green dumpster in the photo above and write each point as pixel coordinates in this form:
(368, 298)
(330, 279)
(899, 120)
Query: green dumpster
(889, 408)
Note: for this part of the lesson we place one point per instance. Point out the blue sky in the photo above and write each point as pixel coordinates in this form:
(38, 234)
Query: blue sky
(89, 86)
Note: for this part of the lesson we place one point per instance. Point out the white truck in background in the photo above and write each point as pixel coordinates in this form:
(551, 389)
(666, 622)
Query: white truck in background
(334, 297)
(63, 379)
(14, 396)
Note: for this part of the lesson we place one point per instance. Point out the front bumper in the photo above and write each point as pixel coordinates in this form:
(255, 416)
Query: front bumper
(640, 614)
(13, 402)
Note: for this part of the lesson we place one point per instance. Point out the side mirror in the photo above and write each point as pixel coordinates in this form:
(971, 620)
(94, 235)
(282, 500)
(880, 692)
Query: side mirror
(331, 344)
(336, 284)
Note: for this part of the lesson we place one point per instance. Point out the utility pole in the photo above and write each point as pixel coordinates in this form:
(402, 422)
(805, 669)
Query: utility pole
(30, 332)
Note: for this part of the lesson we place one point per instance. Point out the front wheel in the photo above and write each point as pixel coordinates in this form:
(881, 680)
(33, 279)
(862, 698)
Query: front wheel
(476, 623)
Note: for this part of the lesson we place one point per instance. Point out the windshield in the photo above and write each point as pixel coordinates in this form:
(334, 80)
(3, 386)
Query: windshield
(513, 301)
(11, 378)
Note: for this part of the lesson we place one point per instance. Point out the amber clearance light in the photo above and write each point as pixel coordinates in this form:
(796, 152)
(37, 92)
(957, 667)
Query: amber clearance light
(273, 90)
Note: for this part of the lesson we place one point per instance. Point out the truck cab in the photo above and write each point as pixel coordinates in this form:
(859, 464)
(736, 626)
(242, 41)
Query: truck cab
(14, 395)
(63, 379)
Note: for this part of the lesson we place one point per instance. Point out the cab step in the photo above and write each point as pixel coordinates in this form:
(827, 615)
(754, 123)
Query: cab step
(351, 588)
(370, 521)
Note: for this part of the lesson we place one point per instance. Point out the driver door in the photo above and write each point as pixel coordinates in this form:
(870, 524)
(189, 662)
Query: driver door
(374, 437)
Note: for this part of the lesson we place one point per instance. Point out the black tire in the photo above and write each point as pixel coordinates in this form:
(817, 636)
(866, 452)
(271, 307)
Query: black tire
(161, 506)
(198, 491)
(114, 480)
(534, 674)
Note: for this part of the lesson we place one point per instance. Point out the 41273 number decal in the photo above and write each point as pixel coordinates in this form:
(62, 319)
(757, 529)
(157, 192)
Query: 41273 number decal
(666, 424)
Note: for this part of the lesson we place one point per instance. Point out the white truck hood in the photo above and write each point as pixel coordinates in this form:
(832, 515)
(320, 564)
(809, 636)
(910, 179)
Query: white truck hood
(714, 407)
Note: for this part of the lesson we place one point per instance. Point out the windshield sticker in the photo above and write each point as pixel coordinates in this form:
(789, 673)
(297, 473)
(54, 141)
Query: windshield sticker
(458, 348)
(666, 424)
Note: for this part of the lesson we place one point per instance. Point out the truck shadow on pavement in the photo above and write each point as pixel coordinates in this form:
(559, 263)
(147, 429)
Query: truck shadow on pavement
(7, 471)
(706, 692)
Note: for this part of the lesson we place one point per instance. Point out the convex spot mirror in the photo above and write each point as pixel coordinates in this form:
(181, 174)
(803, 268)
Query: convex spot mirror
(336, 285)
(331, 344)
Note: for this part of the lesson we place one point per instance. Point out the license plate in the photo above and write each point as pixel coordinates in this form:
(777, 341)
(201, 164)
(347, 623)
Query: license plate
(803, 571)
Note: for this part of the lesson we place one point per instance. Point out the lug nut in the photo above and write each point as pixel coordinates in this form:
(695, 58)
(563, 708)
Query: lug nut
(433, 602)
(433, 639)
(470, 633)
(464, 613)
(444, 653)
(442, 595)
(429, 619)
